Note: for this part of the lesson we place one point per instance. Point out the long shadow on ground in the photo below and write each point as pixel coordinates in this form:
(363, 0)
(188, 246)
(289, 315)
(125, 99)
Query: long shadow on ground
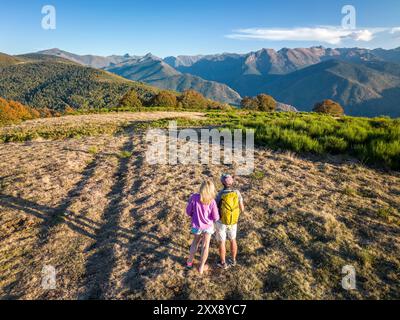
(100, 265)
(147, 249)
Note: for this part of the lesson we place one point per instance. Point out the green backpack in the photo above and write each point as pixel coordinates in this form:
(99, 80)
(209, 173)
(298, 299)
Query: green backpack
(229, 208)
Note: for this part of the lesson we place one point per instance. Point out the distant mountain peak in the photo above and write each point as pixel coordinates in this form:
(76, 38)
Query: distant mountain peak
(151, 56)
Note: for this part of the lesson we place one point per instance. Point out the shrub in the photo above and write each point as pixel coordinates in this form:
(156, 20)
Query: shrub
(23, 112)
(69, 111)
(131, 100)
(125, 154)
(192, 99)
(329, 107)
(46, 112)
(334, 144)
(353, 133)
(320, 128)
(388, 214)
(299, 142)
(262, 102)
(164, 99)
(93, 150)
(7, 114)
(349, 191)
(385, 152)
(248, 103)
(266, 103)
(213, 105)
(12, 112)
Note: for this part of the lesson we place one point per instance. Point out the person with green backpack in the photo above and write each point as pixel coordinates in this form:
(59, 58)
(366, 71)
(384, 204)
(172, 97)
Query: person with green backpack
(230, 204)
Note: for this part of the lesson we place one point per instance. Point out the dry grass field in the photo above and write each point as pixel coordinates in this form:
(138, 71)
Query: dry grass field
(114, 227)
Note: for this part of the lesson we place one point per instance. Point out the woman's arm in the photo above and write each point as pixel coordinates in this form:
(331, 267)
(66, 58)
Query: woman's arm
(189, 207)
(214, 215)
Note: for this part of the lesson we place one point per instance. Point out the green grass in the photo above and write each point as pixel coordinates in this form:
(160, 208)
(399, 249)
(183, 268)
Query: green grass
(366, 257)
(93, 150)
(258, 175)
(125, 155)
(388, 214)
(349, 191)
(372, 141)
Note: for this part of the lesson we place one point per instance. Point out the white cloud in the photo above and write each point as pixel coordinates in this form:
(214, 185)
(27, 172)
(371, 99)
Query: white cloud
(395, 30)
(330, 34)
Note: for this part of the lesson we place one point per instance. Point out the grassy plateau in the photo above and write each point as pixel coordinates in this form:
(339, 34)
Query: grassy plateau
(77, 193)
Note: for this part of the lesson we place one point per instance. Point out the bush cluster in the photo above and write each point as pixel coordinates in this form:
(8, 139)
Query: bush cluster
(262, 102)
(14, 112)
(188, 100)
(329, 107)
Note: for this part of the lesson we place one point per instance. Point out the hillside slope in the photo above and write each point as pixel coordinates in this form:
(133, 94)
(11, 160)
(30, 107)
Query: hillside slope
(53, 82)
(368, 89)
(153, 70)
(6, 60)
(156, 72)
(87, 60)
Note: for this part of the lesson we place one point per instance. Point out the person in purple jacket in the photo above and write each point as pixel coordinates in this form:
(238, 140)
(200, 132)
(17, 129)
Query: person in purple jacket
(203, 210)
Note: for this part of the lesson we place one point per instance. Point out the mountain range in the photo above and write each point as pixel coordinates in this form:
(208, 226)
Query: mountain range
(365, 82)
(58, 82)
(154, 71)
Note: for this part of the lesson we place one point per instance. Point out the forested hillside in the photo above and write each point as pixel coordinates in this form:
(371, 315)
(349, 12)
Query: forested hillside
(50, 82)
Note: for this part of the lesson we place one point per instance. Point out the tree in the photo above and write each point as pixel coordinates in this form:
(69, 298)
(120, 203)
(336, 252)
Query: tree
(47, 113)
(329, 107)
(192, 99)
(69, 111)
(214, 105)
(266, 103)
(249, 103)
(13, 111)
(131, 100)
(262, 102)
(164, 99)
(7, 114)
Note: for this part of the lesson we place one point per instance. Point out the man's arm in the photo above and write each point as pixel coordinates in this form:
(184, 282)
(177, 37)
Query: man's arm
(241, 202)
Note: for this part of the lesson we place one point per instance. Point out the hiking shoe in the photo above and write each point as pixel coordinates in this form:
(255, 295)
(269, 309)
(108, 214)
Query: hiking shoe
(189, 266)
(232, 262)
(223, 266)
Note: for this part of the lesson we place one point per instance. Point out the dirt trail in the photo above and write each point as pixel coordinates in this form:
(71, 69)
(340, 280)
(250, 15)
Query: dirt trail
(115, 228)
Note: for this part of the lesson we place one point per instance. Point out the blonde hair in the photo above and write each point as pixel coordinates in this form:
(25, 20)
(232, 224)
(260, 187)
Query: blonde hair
(207, 192)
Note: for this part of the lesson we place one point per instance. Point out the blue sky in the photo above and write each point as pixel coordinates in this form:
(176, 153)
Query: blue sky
(194, 27)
